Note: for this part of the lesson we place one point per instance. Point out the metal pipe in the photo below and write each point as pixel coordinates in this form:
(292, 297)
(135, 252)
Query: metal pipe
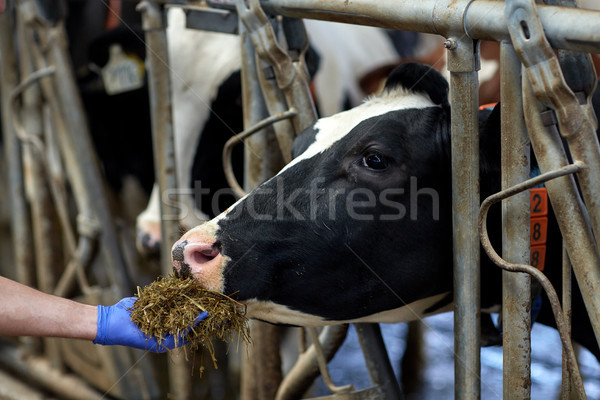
(322, 364)
(275, 102)
(261, 157)
(159, 85)
(261, 371)
(43, 216)
(67, 386)
(19, 214)
(239, 138)
(462, 63)
(516, 287)
(297, 381)
(291, 77)
(568, 313)
(378, 363)
(84, 174)
(20, 221)
(566, 28)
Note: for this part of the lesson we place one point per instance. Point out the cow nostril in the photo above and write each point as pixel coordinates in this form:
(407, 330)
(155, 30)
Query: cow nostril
(203, 255)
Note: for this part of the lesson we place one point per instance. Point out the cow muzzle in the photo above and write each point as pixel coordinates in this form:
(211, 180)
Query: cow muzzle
(200, 258)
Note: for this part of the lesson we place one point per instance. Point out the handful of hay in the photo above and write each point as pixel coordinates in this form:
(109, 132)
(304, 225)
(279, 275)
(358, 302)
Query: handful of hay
(171, 305)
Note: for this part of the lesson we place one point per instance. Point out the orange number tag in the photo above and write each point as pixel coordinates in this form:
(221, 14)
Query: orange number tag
(539, 202)
(538, 256)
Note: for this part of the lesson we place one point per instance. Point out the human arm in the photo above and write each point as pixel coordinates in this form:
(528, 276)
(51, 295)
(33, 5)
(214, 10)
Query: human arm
(25, 311)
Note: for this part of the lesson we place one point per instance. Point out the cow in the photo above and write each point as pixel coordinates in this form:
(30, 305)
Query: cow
(358, 226)
(207, 105)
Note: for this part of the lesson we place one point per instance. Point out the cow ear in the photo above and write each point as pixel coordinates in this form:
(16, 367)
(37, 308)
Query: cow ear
(420, 78)
(303, 141)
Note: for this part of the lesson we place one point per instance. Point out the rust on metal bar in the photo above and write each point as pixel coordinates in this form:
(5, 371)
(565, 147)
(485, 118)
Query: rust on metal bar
(516, 287)
(463, 65)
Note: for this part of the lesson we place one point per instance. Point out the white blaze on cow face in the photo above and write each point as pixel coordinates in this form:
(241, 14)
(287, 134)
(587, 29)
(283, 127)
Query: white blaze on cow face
(334, 128)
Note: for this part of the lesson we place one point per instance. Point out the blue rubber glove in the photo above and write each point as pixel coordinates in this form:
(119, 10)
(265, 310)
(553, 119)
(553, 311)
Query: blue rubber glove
(115, 327)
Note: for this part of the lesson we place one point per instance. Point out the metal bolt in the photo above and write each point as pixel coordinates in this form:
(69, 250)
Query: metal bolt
(450, 44)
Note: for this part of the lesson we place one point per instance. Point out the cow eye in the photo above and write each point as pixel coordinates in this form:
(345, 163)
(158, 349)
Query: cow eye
(376, 161)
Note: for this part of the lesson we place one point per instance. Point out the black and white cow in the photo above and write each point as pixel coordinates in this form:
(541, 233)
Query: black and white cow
(358, 226)
(207, 109)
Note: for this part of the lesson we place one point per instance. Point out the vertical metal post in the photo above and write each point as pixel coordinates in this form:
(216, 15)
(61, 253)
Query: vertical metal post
(46, 241)
(159, 84)
(568, 312)
(516, 286)
(463, 63)
(84, 174)
(262, 158)
(19, 213)
(261, 371)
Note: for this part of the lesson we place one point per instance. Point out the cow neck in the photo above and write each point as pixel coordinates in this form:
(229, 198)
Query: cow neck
(538, 200)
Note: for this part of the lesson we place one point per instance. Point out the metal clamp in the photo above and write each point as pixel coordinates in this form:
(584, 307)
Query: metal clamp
(239, 138)
(576, 123)
(291, 76)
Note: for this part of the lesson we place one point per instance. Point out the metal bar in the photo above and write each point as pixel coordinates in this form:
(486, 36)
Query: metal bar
(239, 138)
(213, 20)
(568, 312)
(322, 363)
(463, 62)
(261, 371)
(76, 148)
(516, 287)
(19, 213)
(565, 28)
(159, 85)
(20, 221)
(290, 76)
(46, 240)
(297, 381)
(275, 101)
(261, 157)
(378, 363)
(67, 386)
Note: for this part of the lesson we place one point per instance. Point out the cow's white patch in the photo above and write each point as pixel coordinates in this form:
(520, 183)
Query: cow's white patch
(205, 232)
(332, 129)
(277, 313)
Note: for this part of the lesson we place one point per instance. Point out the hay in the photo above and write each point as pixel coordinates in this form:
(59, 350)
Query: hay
(170, 306)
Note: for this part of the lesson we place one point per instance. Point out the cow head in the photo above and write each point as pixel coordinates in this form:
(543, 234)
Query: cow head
(356, 228)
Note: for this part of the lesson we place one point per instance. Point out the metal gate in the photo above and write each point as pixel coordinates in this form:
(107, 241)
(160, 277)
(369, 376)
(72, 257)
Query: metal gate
(532, 87)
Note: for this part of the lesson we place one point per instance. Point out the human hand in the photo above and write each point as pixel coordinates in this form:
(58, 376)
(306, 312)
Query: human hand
(115, 327)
